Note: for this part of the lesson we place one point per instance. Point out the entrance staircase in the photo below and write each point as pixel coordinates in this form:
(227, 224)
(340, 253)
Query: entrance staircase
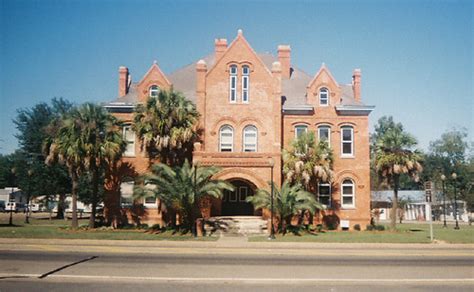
(235, 225)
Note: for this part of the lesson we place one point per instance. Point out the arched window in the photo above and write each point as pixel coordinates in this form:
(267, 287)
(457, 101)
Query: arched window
(347, 141)
(153, 91)
(250, 139)
(226, 139)
(245, 84)
(299, 130)
(347, 194)
(324, 97)
(129, 137)
(233, 83)
(324, 134)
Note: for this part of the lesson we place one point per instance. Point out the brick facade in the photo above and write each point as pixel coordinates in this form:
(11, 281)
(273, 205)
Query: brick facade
(279, 97)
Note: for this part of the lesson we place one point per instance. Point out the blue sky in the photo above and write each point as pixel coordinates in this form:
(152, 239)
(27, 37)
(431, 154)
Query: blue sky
(416, 56)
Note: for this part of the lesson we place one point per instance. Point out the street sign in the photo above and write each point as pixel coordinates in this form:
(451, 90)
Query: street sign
(428, 185)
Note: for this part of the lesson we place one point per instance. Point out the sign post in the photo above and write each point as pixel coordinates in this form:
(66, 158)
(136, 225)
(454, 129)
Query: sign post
(428, 205)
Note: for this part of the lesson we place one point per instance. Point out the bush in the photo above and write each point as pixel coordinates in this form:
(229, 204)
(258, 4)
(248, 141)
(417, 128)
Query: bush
(156, 227)
(319, 227)
(374, 228)
(357, 227)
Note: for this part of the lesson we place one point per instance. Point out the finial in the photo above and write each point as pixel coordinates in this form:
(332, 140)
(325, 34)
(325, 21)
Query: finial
(155, 62)
(240, 32)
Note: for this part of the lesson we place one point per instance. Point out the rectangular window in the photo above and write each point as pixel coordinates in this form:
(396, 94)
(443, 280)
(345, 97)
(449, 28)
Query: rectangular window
(226, 142)
(245, 89)
(150, 200)
(243, 193)
(250, 144)
(347, 194)
(233, 88)
(129, 137)
(324, 134)
(325, 194)
(347, 141)
(299, 130)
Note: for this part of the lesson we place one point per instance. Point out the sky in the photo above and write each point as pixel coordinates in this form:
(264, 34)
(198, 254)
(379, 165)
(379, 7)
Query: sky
(416, 57)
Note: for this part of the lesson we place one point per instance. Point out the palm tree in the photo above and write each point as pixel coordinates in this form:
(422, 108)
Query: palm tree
(165, 126)
(288, 201)
(182, 188)
(393, 158)
(102, 142)
(66, 148)
(308, 163)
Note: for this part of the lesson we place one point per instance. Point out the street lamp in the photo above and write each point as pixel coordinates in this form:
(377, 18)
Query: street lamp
(454, 176)
(443, 179)
(271, 162)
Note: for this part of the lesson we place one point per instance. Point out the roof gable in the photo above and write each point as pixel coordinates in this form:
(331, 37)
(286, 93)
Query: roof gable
(324, 76)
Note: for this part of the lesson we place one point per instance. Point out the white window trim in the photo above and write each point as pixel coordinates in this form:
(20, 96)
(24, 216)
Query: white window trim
(150, 90)
(353, 195)
(330, 192)
(327, 96)
(244, 148)
(329, 133)
(124, 129)
(351, 141)
(245, 76)
(232, 138)
(233, 76)
(296, 131)
(241, 189)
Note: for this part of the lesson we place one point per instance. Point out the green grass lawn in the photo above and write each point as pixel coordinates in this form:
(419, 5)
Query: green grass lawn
(44, 228)
(407, 233)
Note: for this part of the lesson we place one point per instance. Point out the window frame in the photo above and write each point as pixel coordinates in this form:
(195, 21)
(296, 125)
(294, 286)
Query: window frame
(152, 90)
(300, 126)
(221, 129)
(329, 196)
(129, 142)
(244, 140)
(233, 90)
(326, 91)
(245, 90)
(329, 133)
(351, 141)
(352, 184)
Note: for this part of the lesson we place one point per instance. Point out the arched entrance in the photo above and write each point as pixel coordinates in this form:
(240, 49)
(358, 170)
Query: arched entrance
(233, 203)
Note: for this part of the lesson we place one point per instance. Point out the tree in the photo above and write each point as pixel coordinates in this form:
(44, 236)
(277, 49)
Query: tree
(34, 177)
(182, 188)
(165, 126)
(394, 157)
(308, 163)
(288, 202)
(102, 144)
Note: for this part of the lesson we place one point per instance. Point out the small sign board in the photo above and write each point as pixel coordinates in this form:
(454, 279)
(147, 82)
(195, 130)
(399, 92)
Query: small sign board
(428, 185)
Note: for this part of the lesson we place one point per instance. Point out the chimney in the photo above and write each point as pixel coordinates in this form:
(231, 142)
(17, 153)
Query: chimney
(277, 73)
(356, 84)
(123, 81)
(284, 57)
(220, 45)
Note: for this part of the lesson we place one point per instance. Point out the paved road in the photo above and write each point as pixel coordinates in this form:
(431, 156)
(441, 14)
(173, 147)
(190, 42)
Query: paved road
(181, 270)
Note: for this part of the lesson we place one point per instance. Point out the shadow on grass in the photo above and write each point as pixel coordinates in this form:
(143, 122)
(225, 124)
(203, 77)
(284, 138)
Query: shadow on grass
(415, 230)
(8, 225)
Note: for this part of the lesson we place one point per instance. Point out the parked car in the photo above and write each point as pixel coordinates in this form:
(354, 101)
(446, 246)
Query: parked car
(15, 207)
(36, 207)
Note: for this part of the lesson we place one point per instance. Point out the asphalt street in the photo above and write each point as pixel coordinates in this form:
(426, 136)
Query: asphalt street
(180, 269)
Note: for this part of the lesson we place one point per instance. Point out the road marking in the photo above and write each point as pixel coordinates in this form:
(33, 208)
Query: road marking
(240, 280)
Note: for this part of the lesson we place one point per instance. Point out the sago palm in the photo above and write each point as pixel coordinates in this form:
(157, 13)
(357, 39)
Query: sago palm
(288, 201)
(182, 188)
(393, 158)
(165, 126)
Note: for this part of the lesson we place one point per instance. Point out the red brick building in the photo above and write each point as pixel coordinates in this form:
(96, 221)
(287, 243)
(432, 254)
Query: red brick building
(252, 106)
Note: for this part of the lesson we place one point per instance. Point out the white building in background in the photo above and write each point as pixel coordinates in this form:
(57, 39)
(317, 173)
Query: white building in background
(416, 208)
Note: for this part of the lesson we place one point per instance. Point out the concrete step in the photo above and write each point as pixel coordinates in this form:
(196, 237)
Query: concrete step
(236, 225)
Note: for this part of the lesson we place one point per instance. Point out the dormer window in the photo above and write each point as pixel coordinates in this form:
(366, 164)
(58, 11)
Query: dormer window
(153, 91)
(245, 84)
(233, 84)
(324, 97)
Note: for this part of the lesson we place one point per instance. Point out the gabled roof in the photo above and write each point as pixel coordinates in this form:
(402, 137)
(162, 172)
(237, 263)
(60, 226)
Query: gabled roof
(293, 89)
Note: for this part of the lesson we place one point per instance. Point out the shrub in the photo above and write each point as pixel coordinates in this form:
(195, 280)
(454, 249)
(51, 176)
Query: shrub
(357, 227)
(374, 228)
(319, 227)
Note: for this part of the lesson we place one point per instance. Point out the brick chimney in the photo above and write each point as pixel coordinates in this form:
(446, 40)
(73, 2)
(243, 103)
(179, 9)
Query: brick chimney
(356, 84)
(123, 81)
(284, 57)
(220, 45)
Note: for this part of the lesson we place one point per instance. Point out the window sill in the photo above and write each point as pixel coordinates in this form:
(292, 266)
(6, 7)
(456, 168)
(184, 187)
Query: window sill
(349, 208)
(129, 156)
(347, 156)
